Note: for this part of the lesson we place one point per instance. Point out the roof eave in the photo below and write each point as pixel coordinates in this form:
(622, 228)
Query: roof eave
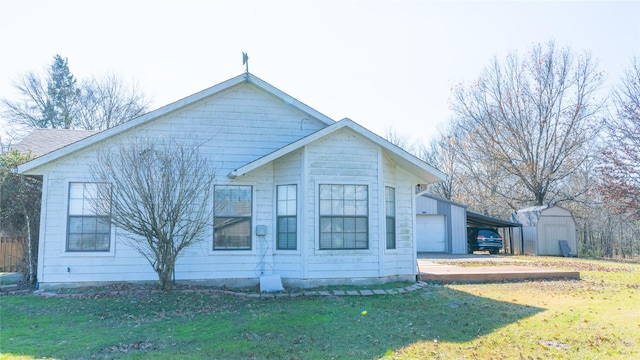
(289, 99)
(28, 167)
(420, 168)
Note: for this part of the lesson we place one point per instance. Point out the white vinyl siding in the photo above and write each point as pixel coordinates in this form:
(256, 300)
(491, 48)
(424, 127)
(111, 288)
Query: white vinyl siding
(232, 128)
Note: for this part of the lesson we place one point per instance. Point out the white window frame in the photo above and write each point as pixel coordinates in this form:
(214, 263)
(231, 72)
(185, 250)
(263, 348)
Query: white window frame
(395, 219)
(322, 215)
(250, 217)
(86, 210)
(295, 216)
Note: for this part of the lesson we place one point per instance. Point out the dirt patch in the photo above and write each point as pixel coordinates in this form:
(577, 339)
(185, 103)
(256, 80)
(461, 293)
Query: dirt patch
(333, 298)
(138, 346)
(554, 344)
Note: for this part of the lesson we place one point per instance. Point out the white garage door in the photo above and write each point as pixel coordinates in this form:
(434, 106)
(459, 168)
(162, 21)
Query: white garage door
(431, 233)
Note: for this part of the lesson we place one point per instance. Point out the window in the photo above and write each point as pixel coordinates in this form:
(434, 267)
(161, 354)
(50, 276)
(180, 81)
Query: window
(232, 222)
(287, 220)
(390, 211)
(344, 221)
(89, 222)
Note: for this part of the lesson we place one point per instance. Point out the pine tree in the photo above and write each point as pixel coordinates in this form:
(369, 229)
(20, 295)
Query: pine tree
(63, 95)
(56, 99)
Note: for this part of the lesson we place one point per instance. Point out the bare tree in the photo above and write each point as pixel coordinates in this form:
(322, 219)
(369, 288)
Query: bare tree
(530, 120)
(161, 195)
(108, 101)
(58, 100)
(398, 140)
(620, 169)
(441, 153)
(45, 103)
(29, 109)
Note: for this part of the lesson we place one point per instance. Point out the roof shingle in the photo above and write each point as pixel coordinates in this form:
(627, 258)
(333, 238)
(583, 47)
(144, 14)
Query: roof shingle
(44, 141)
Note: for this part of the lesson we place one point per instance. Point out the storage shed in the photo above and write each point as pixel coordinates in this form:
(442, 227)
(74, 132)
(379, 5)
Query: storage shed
(441, 225)
(543, 227)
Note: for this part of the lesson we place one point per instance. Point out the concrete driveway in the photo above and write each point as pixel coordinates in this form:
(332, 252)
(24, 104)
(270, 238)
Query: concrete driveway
(440, 267)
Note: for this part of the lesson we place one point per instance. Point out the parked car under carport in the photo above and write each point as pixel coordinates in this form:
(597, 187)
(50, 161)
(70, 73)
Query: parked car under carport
(478, 221)
(483, 239)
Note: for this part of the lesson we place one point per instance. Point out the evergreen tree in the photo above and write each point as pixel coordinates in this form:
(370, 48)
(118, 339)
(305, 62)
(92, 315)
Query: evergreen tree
(58, 100)
(63, 95)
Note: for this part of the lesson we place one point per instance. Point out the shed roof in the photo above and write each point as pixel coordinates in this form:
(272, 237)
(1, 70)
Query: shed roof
(528, 216)
(531, 216)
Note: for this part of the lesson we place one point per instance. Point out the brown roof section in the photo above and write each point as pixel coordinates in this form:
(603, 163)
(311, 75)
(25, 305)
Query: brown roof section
(44, 141)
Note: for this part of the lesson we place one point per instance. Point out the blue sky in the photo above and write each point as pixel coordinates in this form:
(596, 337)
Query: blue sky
(384, 64)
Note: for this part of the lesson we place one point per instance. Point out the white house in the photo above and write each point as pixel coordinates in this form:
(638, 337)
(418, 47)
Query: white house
(269, 148)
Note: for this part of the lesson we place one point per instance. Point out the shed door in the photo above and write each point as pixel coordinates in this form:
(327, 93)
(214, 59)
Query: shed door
(553, 233)
(431, 233)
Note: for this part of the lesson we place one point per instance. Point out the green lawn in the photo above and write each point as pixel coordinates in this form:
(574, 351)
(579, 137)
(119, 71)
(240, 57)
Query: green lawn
(596, 317)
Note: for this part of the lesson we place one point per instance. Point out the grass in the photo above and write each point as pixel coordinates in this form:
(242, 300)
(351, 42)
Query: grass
(596, 317)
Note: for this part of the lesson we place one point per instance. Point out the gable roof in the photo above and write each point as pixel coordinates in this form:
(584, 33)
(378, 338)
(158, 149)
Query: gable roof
(531, 216)
(43, 141)
(406, 160)
(150, 116)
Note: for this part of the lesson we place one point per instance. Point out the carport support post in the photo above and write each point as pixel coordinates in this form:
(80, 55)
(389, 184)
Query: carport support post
(511, 241)
(521, 241)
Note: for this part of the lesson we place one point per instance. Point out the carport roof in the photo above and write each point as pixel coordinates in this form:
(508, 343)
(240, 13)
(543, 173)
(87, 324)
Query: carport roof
(475, 219)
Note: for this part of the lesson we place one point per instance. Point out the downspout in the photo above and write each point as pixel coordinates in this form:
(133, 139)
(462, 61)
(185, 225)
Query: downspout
(43, 225)
(414, 232)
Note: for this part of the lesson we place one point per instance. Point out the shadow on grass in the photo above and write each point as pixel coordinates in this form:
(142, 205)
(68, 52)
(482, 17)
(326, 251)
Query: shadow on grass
(205, 325)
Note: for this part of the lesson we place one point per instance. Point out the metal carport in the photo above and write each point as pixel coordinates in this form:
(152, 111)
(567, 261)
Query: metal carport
(478, 220)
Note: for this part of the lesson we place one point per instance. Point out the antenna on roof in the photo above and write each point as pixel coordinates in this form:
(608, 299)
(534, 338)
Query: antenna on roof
(245, 61)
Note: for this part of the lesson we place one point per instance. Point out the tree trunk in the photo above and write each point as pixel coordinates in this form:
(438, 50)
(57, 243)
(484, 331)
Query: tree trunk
(165, 274)
(31, 272)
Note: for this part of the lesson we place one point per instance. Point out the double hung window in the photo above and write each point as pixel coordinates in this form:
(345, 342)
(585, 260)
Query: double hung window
(89, 217)
(390, 211)
(232, 222)
(344, 217)
(287, 219)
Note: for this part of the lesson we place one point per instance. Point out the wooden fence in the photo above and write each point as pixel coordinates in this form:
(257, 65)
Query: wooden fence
(11, 254)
